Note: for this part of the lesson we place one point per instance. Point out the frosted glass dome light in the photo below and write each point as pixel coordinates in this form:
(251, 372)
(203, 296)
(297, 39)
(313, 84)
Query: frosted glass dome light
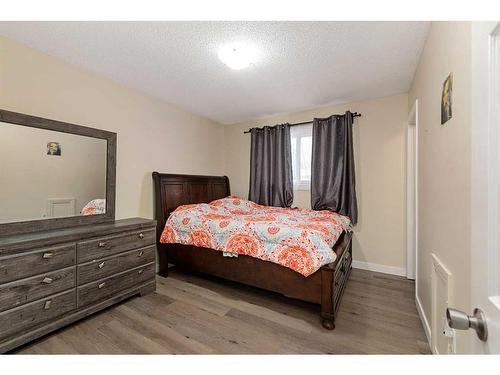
(237, 56)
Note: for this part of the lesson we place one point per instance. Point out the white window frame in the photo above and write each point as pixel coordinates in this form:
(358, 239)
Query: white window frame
(298, 132)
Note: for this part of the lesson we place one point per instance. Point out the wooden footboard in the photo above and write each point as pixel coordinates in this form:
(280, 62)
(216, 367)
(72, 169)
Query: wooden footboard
(325, 287)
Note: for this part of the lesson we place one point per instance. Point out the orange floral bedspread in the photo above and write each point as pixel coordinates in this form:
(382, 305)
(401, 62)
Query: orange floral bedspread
(299, 239)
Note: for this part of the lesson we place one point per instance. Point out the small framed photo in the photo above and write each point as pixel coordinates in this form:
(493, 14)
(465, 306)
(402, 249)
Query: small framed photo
(446, 99)
(54, 148)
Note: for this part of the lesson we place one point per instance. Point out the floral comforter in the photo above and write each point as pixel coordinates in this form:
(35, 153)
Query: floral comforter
(94, 207)
(299, 239)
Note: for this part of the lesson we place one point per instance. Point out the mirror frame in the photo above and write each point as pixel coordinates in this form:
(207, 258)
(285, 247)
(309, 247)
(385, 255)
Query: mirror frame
(29, 226)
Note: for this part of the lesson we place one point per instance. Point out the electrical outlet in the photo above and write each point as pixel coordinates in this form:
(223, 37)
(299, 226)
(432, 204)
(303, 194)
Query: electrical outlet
(450, 334)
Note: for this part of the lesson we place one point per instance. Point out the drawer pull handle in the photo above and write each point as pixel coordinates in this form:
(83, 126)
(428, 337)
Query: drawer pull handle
(141, 253)
(101, 285)
(141, 235)
(101, 264)
(48, 255)
(47, 304)
(140, 272)
(101, 244)
(47, 280)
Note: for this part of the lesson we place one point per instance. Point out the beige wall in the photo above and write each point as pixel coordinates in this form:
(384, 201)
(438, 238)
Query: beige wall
(444, 163)
(152, 135)
(379, 147)
(79, 172)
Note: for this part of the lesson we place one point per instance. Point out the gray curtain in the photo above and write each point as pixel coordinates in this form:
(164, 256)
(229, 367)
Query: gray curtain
(333, 182)
(271, 166)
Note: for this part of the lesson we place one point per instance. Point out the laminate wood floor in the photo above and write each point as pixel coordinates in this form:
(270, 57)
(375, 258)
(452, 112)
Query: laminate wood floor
(191, 314)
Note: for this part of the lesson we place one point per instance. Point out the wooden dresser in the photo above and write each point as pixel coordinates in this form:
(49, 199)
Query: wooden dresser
(52, 278)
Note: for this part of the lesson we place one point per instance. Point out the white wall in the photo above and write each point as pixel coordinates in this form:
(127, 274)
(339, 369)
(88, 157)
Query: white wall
(152, 135)
(29, 176)
(379, 148)
(444, 164)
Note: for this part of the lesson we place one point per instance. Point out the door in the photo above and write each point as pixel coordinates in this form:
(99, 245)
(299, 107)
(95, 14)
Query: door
(485, 184)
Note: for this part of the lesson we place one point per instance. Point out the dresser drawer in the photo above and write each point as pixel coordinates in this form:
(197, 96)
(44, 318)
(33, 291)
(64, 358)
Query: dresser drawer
(36, 262)
(105, 246)
(34, 313)
(22, 291)
(99, 269)
(107, 287)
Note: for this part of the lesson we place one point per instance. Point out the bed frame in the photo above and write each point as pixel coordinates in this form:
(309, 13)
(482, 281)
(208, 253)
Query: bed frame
(325, 287)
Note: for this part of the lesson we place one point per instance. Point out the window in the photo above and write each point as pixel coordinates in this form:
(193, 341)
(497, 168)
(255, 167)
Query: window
(301, 141)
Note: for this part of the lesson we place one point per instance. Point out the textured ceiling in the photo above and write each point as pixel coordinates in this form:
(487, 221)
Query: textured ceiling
(302, 64)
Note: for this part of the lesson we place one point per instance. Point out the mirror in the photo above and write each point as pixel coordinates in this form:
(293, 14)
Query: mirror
(49, 174)
(54, 174)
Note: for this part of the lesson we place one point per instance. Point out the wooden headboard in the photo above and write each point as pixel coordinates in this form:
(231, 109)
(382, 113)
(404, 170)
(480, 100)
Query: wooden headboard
(174, 190)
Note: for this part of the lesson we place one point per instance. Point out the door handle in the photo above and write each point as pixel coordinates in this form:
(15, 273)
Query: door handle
(477, 321)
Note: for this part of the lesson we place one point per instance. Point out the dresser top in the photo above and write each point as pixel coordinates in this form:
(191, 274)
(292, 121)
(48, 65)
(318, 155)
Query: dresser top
(8, 244)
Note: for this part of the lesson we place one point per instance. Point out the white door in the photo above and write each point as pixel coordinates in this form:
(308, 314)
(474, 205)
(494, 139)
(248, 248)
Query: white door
(485, 184)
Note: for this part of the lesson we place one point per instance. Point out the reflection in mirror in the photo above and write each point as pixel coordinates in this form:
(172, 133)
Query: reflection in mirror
(49, 174)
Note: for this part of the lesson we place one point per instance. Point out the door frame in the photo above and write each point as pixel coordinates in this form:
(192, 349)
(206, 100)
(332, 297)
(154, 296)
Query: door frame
(412, 195)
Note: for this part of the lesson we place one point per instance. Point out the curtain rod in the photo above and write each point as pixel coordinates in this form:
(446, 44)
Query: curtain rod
(354, 114)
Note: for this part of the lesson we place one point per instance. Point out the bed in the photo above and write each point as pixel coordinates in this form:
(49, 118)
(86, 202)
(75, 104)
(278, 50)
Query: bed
(324, 287)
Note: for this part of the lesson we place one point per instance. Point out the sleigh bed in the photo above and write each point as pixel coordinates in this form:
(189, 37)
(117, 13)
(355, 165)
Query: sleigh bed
(324, 287)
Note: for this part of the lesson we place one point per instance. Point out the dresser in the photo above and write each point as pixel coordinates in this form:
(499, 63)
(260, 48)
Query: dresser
(49, 279)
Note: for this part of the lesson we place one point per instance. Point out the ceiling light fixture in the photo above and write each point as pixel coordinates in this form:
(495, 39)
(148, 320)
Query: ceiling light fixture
(237, 55)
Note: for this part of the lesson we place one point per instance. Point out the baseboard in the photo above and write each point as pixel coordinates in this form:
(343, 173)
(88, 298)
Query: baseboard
(423, 319)
(399, 271)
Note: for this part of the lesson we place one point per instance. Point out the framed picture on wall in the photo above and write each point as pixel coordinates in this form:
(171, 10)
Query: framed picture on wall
(54, 148)
(446, 99)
